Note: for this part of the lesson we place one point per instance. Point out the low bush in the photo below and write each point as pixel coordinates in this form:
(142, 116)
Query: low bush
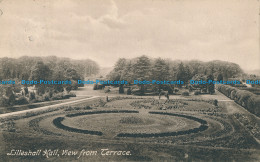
(186, 93)
(100, 86)
(170, 90)
(216, 102)
(71, 94)
(58, 96)
(107, 89)
(121, 89)
(129, 91)
(46, 97)
(21, 101)
(204, 90)
(32, 96)
(39, 98)
(95, 87)
(197, 92)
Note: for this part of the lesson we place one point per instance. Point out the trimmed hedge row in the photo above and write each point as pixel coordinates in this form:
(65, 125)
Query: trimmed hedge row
(248, 100)
(202, 127)
(101, 112)
(57, 123)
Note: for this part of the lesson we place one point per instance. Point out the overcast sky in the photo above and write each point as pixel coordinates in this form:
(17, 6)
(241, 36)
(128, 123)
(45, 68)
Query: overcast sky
(105, 30)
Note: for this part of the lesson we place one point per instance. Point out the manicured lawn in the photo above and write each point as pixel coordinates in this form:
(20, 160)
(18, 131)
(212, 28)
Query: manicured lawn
(226, 137)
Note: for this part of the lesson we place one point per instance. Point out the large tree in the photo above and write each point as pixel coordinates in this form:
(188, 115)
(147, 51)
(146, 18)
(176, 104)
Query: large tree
(210, 86)
(119, 67)
(142, 68)
(40, 72)
(160, 70)
(183, 73)
(142, 71)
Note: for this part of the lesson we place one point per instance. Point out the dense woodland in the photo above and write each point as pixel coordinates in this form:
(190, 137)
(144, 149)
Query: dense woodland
(24, 67)
(145, 68)
(41, 68)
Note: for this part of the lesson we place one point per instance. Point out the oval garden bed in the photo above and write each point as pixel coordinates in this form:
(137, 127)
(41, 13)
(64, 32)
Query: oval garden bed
(133, 124)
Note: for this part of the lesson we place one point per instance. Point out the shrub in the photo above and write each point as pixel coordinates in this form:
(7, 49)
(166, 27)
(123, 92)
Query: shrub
(74, 85)
(204, 90)
(216, 102)
(136, 92)
(31, 96)
(163, 92)
(107, 89)
(100, 86)
(4, 101)
(243, 98)
(68, 88)
(26, 91)
(71, 94)
(251, 104)
(46, 97)
(67, 96)
(87, 108)
(39, 98)
(233, 94)
(58, 96)
(170, 90)
(95, 87)
(229, 91)
(17, 88)
(197, 92)
(129, 91)
(11, 100)
(121, 89)
(257, 106)
(185, 93)
(21, 101)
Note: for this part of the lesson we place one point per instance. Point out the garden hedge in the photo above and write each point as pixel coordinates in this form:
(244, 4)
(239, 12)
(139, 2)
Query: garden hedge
(246, 99)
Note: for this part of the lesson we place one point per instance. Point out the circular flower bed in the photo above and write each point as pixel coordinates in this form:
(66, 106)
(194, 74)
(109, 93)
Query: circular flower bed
(139, 122)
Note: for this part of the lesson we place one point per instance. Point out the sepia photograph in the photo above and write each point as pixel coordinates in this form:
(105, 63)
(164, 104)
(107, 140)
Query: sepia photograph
(129, 80)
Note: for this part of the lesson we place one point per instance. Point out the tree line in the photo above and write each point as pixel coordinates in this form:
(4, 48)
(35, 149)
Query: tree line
(145, 68)
(41, 68)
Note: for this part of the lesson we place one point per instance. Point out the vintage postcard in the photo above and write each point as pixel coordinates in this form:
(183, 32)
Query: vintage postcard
(129, 80)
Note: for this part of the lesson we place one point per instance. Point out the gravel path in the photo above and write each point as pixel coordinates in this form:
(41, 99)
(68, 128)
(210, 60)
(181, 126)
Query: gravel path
(48, 107)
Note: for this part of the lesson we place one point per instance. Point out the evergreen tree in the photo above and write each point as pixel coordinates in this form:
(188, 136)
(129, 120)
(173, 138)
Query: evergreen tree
(219, 77)
(181, 73)
(160, 70)
(40, 72)
(121, 89)
(210, 86)
(142, 69)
